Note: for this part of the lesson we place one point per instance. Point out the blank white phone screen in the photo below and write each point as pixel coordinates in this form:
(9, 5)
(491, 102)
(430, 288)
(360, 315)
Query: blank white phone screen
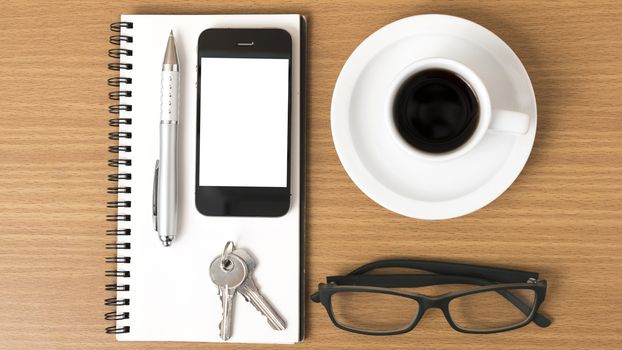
(244, 121)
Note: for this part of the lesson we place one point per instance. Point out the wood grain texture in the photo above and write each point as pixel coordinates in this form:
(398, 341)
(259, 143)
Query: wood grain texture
(561, 217)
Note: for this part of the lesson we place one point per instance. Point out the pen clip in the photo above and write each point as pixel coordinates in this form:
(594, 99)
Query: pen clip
(154, 205)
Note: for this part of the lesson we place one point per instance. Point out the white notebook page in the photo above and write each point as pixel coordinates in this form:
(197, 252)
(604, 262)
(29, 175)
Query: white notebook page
(171, 295)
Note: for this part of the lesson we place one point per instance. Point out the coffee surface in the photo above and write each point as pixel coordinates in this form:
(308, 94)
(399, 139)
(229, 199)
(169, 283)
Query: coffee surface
(435, 111)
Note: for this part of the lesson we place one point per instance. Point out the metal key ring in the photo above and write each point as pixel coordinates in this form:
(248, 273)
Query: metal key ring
(225, 263)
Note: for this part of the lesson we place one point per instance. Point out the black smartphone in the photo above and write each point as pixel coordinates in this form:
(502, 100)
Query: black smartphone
(243, 122)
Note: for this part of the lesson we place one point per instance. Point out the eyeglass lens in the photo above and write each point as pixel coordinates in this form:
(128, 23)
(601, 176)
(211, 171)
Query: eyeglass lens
(491, 310)
(373, 312)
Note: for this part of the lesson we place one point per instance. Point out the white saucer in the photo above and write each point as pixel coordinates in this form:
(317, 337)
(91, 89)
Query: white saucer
(388, 173)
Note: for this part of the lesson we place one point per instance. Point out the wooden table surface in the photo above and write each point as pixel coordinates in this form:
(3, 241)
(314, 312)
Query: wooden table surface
(561, 217)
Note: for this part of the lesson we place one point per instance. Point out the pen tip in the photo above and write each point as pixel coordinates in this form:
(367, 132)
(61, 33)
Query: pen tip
(167, 241)
(171, 33)
(170, 55)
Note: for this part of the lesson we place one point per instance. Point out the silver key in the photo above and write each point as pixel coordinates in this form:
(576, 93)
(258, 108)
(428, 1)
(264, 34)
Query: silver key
(251, 293)
(228, 276)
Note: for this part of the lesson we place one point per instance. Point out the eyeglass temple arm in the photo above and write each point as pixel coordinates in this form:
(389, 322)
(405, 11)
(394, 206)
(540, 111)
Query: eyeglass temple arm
(414, 281)
(455, 269)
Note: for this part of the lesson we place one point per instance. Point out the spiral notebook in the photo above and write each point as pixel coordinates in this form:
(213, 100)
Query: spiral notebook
(166, 294)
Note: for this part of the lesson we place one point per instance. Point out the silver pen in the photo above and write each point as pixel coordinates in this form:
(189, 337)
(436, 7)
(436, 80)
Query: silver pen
(165, 194)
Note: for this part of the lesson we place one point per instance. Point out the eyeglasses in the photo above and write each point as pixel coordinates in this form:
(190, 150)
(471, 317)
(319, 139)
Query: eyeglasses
(502, 300)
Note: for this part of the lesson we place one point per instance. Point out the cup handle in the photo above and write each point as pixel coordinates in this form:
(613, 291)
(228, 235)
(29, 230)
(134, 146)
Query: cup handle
(509, 121)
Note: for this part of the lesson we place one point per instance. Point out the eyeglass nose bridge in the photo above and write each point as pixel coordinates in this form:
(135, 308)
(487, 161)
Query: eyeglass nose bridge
(426, 303)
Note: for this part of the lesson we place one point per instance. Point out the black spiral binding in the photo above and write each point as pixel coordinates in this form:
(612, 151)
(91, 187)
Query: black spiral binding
(121, 159)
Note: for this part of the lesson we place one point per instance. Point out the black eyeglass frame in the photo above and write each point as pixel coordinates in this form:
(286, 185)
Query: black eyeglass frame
(488, 279)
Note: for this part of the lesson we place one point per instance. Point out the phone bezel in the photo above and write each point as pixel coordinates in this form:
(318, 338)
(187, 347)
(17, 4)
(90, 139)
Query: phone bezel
(243, 201)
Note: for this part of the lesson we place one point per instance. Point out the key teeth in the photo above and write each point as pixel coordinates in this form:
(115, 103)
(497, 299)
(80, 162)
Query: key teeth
(274, 326)
(224, 329)
(280, 328)
(250, 288)
(224, 336)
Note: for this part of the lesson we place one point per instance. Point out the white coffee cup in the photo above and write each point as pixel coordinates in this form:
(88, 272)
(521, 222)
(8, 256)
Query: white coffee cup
(498, 120)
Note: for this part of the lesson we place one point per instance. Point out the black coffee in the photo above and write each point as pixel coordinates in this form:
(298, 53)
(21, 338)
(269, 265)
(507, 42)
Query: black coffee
(435, 111)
